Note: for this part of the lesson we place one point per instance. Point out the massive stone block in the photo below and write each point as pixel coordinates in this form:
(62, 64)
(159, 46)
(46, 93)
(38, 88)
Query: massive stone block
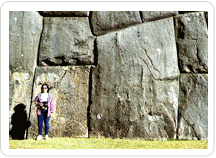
(69, 89)
(20, 91)
(66, 41)
(135, 84)
(106, 21)
(156, 15)
(193, 106)
(64, 13)
(24, 35)
(192, 42)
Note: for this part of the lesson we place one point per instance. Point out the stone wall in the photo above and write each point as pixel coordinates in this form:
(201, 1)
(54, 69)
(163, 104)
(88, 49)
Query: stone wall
(119, 74)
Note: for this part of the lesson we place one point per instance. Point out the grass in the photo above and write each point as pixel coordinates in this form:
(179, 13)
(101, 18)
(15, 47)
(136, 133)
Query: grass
(105, 143)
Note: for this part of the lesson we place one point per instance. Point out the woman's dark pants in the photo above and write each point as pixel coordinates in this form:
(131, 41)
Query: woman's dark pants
(45, 118)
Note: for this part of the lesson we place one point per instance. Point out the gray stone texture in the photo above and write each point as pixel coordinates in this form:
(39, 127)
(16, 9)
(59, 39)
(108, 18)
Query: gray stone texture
(24, 34)
(193, 106)
(192, 42)
(66, 41)
(106, 21)
(20, 90)
(148, 16)
(144, 76)
(69, 89)
(64, 13)
(135, 85)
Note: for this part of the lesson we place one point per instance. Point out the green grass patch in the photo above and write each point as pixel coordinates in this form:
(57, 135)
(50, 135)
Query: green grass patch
(105, 143)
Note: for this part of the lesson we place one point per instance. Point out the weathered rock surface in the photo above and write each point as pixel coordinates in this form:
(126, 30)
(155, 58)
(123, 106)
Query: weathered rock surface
(133, 89)
(24, 34)
(106, 21)
(156, 15)
(192, 42)
(69, 89)
(135, 85)
(64, 13)
(20, 90)
(66, 41)
(20, 82)
(193, 106)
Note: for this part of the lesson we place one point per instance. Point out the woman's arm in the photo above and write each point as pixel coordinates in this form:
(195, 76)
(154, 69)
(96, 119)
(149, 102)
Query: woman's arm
(37, 102)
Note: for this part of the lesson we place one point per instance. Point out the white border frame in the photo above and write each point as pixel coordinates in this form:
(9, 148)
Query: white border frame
(102, 6)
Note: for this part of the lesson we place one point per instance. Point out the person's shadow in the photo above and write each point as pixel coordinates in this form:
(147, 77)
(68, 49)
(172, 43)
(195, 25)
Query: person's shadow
(19, 122)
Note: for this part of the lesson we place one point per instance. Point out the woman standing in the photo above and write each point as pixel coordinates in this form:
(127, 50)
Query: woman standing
(45, 106)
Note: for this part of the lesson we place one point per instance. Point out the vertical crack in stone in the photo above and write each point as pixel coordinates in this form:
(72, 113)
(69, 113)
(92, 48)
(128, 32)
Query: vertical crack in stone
(118, 56)
(117, 111)
(151, 61)
(22, 44)
(90, 23)
(89, 102)
(59, 81)
(200, 59)
(141, 16)
(31, 100)
(147, 66)
(144, 50)
(204, 79)
(197, 54)
(40, 41)
(178, 123)
(196, 135)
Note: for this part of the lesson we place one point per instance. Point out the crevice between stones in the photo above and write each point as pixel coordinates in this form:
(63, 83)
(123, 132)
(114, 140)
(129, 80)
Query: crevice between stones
(55, 86)
(95, 52)
(192, 128)
(151, 61)
(31, 101)
(90, 23)
(200, 61)
(141, 15)
(40, 43)
(194, 73)
(89, 102)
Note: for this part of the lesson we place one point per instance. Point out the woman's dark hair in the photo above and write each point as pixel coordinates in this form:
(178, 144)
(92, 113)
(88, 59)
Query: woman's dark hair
(45, 84)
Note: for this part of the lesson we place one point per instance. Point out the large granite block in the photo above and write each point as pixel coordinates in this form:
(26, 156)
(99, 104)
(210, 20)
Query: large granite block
(193, 106)
(192, 42)
(135, 85)
(66, 41)
(106, 21)
(148, 16)
(69, 89)
(24, 35)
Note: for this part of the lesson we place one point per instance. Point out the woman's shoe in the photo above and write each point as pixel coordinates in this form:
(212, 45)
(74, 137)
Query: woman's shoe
(39, 137)
(46, 137)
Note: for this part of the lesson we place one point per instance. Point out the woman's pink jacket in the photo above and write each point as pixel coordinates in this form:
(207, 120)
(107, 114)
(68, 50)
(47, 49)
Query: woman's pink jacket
(51, 105)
